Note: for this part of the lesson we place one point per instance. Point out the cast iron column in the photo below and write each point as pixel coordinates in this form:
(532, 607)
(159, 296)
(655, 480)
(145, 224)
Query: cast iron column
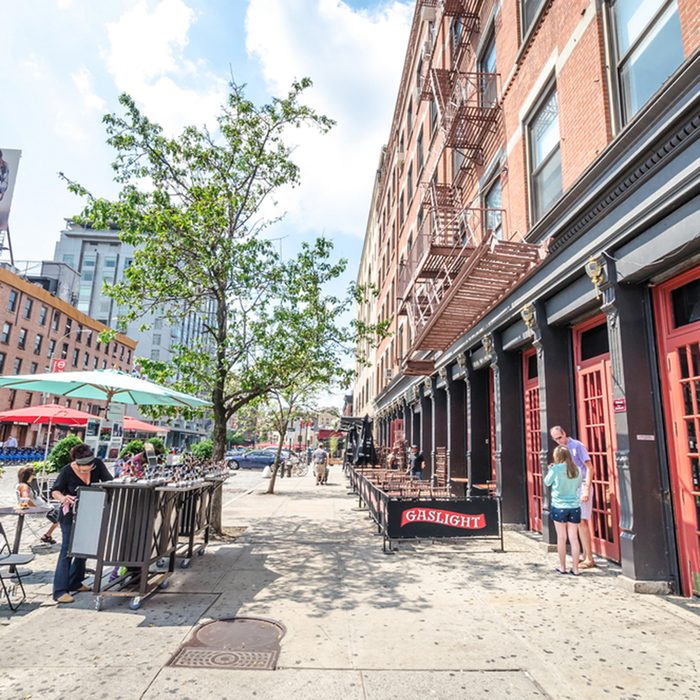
(426, 427)
(456, 426)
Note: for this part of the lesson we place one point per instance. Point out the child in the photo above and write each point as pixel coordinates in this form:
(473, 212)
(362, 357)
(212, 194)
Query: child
(565, 479)
(27, 491)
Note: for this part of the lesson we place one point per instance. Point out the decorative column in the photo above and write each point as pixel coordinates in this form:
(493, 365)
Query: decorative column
(553, 346)
(478, 452)
(647, 560)
(508, 416)
(456, 420)
(415, 430)
(426, 426)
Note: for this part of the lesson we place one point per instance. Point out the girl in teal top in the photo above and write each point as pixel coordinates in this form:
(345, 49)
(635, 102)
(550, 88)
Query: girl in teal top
(565, 479)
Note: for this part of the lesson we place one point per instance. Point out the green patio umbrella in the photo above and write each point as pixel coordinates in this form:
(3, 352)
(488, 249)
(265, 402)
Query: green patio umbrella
(103, 385)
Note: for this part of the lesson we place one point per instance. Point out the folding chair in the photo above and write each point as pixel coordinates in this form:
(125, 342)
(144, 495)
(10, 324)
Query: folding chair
(8, 559)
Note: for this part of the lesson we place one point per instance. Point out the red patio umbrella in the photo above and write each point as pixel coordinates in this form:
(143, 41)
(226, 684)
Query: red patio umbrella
(48, 413)
(140, 426)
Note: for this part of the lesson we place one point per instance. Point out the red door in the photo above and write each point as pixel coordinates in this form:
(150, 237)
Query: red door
(596, 429)
(677, 304)
(533, 439)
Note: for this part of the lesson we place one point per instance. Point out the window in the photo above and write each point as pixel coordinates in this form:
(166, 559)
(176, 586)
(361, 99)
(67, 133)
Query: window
(34, 368)
(529, 9)
(88, 338)
(155, 355)
(104, 364)
(409, 117)
(79, 405)
(419, 151)
(12, 300)
(3, 357)
(128, 356)
(22, 338)
(37, 343)
(456, 31)
(17, 365)
(158, 324)
(13, 397)
(545, 158)
(156, 339)
(685, 301)
(648, 48)
(79, 334)
(28, 304)
(28, 399)
(42, 315)
(121, 352)
(409, 183)
(433, 117)
(493, 206)
(64, 351)
(76, 355)
(94, 362)
(6, 332)
(86, 359)
(487, 68)
(69, 259)
(69, 326)
(52, 348)
(55, 320)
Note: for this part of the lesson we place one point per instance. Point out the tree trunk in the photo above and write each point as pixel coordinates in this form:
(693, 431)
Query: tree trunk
(276, 466)
(218, 455)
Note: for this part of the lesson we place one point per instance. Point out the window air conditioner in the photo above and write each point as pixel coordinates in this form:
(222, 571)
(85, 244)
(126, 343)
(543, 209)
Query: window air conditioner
(427, 13)
(389, 373)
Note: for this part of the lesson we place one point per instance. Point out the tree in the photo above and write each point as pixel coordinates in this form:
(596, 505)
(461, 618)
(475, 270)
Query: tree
(192, 207)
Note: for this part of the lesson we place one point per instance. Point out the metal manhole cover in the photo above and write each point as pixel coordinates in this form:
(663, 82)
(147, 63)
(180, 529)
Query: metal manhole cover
(235, 643)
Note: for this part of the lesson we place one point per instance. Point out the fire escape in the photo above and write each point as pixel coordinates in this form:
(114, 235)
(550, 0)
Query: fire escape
(457, 269)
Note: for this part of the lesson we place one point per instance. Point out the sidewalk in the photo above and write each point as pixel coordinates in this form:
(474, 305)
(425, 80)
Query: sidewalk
(444, 620)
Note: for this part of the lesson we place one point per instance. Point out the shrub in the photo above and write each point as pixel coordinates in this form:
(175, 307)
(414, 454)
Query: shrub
(131, 448)
(158, 444)
(60, 455)
(203, 449)
(47, 466)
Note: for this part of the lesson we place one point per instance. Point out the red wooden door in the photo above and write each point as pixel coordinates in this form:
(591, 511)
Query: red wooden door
(533, 439)
(596, 429)
(677, 304)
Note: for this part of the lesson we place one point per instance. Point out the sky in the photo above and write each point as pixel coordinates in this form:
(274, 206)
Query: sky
(66, 61)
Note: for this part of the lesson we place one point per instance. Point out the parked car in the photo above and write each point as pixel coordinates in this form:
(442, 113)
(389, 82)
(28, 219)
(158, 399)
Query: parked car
(252, 459)
(285, 454)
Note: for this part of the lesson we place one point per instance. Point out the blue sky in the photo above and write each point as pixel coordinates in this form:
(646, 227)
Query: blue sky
(66, 61)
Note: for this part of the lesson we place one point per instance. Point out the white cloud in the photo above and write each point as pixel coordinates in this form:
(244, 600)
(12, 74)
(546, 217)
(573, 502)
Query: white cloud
(146, 59)
(355, 59)
(82, 79)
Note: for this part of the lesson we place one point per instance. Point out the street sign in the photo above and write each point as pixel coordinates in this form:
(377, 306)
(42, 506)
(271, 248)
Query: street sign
(58, 365)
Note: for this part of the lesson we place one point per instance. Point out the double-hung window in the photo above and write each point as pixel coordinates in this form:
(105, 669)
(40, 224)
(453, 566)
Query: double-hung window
(493, 214)
(648, 48)
(545, 156)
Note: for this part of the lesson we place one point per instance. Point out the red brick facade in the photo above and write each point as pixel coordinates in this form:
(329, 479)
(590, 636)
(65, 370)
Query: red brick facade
(31, 321)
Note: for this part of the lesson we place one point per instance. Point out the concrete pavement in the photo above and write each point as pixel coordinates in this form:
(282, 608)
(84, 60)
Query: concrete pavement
(443, 620)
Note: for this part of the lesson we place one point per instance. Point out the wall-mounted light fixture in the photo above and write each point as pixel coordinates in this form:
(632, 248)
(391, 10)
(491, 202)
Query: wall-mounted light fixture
(594, 269)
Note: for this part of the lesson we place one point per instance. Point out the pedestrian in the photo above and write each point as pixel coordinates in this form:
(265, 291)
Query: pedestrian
(27, 491)
(392, 461)
(319, 457)
(415, 463)
(565, 479)
(11, 441)
(582, 460)
(84, 469)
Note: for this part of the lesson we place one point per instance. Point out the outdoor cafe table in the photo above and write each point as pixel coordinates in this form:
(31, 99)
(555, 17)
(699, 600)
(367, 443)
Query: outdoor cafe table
(20, 514)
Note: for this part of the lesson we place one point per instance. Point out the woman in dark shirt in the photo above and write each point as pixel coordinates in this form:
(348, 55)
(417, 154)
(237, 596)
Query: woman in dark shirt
(85, 469)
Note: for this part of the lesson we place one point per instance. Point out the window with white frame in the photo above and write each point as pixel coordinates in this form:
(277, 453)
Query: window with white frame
(647, 48)
(529, 9)
(545, 156)
(493, 205)
(487, 71)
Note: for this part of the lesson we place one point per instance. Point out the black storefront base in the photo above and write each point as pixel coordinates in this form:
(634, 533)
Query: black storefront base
(428, 517)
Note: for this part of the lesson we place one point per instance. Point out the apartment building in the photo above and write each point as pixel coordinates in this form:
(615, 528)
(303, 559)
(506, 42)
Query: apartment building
(41, 332)
(537, 224)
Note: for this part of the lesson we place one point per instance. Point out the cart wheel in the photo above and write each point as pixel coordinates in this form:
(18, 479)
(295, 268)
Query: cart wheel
(135, 603)
(162, 563)
(164, 584)
(201, 551)
(185, 564)
(99, 601)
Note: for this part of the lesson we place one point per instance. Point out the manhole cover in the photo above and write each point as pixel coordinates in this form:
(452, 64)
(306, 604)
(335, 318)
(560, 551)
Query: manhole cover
(235, 643)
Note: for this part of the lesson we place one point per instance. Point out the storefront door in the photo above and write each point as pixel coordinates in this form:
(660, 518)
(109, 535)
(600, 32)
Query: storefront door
(533, 439)
(677, 305)
(596, 430)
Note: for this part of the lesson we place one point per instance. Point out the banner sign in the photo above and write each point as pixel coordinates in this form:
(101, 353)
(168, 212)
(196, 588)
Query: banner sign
(433, 518)
(9, 162)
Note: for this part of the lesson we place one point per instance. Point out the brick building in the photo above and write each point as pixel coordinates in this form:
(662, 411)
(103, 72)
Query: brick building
(537, 218)
(38, 328)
